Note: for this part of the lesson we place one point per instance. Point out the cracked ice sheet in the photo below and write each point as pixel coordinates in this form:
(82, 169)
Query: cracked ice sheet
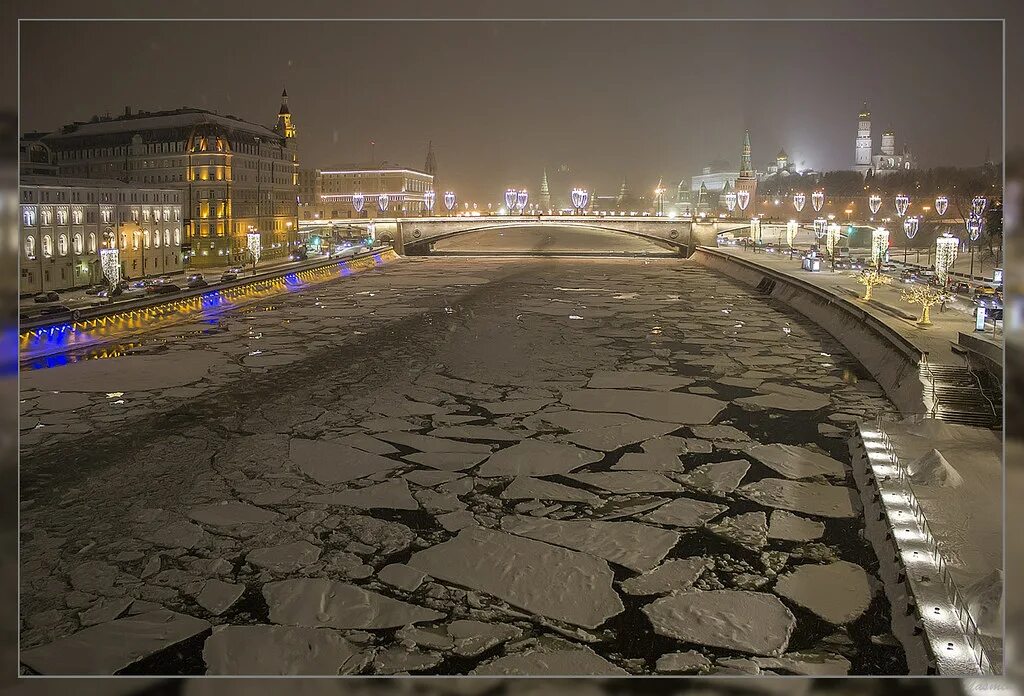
(632, 545)
(670, 407)
(328, 462)
(796, 462)
(315, 602)
(541, 578)
(799, 496)
(537, 458)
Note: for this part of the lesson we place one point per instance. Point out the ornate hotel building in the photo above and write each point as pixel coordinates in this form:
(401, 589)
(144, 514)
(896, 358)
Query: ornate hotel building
(65, 222)
(235, 177)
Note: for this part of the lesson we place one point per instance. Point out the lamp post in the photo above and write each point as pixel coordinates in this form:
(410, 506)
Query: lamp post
(974, 226)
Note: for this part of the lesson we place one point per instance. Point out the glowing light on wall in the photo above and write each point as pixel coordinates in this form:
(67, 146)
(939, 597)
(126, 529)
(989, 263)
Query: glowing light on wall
(978, 205)
(941, 203)
(874, 203)
(974, 225)
(743, 198)
(382, 201)
(818, 200)
(255, 245)
(521, 199)
(730, 201)
(755, 230)
(799, 200)
(511, 196)
(945, 255)
(428, 200)
(910, 226)
(902, 202)
(879, 245)
(110, 262)
(580, 198)
(449, 200)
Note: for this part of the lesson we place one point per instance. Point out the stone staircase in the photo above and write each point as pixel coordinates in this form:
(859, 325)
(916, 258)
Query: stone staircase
(960, 395)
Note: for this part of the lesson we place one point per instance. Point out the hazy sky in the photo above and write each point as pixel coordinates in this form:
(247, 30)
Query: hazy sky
(502, 100)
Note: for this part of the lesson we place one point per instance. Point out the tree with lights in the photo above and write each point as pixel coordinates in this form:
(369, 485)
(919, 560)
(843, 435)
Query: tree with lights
(927, 296)
(869, 279)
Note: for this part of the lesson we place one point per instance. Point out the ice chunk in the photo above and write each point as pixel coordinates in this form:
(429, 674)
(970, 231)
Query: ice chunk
(280, 650)
(537, 458)
(799, 496)
(796, 462)
(671, 576)
(320, 602)
(671, 407)
(837, 592)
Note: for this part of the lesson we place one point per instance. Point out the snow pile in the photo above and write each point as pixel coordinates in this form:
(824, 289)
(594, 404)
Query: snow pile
(985, 602)
(933, 470)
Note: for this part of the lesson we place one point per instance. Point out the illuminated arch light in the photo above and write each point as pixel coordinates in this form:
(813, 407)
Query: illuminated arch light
(521, 199)
(874, 203)
(382, 201)
(818, 200)
(941, 203)
(743, 198)
(978, 205)
(358, 200)
(511, 197)
(580, 198)
(730, 201)
(799, 200)
(879, 245)
(902, 201)
(820, 227)
(910, 226)
(428, 200)
(449, 200)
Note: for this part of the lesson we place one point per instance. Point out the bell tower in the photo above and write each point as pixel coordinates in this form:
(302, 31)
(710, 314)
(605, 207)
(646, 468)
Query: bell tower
(863, 145)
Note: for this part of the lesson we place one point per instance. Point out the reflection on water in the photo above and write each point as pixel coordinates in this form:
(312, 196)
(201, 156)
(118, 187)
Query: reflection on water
(47, 347)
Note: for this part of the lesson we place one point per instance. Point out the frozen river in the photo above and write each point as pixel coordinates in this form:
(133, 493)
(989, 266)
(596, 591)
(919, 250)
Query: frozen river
(445, 466)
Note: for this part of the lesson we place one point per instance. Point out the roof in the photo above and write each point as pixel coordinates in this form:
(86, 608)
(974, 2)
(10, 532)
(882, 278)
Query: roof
(186, 117)
(83, 182)
(782, 155)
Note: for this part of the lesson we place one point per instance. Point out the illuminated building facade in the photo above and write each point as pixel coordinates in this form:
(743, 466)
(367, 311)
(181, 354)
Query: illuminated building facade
(886, 160)
(65, 222)
(339, 193)
(235, 177)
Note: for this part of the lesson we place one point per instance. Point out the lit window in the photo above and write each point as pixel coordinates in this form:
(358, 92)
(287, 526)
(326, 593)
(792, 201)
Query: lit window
(156, 239)
(136, 240)
(78, 243)
(62, 245)
(105, 215)
(146, 236)
(124, 241)
(46, 218)
(62, 217)
(30, 247)
(76, 217)
(92, 242)
(177, 235)
(167, 238)
(47, 246)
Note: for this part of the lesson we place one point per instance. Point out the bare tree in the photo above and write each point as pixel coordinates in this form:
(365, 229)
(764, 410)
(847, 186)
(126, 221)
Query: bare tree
(869, 279)
(927, 296)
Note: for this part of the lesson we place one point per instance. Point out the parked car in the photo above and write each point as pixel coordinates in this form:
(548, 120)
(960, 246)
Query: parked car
(95, 289)
(228, 275)
(237, 270)
(299, 254)
(54, 309)
(909, 277)
(960, 287)
(196, 281)
(48, 296)
(162, 289)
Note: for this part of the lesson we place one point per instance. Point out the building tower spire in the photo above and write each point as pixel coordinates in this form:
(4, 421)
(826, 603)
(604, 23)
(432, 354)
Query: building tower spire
(623, 191)
(545, 192)
(746, 167)
(862, 160)
(430, 166)
(284, 124)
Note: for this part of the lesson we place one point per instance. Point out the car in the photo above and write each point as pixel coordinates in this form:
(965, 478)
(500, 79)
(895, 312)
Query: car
(194, 276)
(348, 251)
(228, 275)
(95, 289)
(299, 254)
(984, 290)
(199, 282)
(138, 284)
(237, 270)
(162, 289)
(54, 309)
(48, 296)
(960, 287)
(909, 277)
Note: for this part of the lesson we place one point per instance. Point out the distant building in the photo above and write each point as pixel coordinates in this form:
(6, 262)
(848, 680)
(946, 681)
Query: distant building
(544, 200)
(886, 160)
(66, 221)
(235, 176)
(782, 166)
(747, 179)
(336, 193)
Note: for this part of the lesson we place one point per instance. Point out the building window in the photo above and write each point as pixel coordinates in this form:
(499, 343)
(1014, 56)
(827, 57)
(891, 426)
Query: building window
(62, 217)
(105, 215)
(136, 240)
(156, 239)
(156, 215)
(177, 235)
(78, 244)
(124, 241)
(76, 217)
(62, 244)
(167, 238)
(92, 242)
(30, 247)
(145, 214)
(47, 246)
(146, 238)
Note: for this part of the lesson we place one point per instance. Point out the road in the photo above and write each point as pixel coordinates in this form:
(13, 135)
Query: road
(448, 465)
(554, 240)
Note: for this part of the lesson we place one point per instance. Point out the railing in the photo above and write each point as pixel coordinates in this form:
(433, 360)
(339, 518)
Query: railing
(933, 409)
(970, 626)
(981, 390)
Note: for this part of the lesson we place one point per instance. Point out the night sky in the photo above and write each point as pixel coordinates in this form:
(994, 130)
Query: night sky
(502, 100)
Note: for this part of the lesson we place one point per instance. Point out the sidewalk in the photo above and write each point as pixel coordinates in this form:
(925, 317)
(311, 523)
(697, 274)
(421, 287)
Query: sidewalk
(936, 340)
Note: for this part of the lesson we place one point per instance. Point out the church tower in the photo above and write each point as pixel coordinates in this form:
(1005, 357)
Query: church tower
(889, 142)
(545, 192)
(284, 124)
(862, 161)
(624, 193)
